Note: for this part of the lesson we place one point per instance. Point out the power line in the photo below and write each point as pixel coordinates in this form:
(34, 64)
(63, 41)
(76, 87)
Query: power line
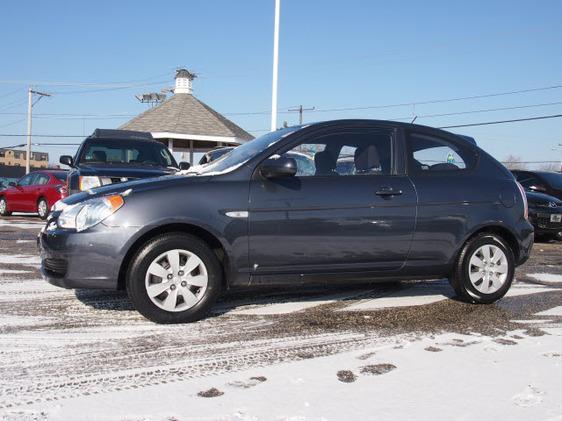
(13, 104)
(516, 120)
(11, 93)
(545, 117)
(486, 110)
(74, 84)
(413, 103)
(13, 122)
(112, 89)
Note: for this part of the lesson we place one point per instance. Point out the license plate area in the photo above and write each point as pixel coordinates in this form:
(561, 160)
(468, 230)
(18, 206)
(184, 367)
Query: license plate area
(556, 218)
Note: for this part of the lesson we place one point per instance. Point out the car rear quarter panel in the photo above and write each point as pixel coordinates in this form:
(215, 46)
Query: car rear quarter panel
(452, 208)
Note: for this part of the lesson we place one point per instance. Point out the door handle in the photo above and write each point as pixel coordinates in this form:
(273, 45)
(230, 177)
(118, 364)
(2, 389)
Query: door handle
(388, 192)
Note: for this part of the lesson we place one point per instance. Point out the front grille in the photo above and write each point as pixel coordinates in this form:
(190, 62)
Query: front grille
(114, 180)
(543, 221)
(55, 267)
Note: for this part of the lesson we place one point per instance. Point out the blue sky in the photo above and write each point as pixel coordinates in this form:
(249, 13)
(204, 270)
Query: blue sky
(333, 54)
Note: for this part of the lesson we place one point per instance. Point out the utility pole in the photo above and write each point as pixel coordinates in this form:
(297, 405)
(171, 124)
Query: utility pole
(275, 67)
(30, 105)
(301, 111)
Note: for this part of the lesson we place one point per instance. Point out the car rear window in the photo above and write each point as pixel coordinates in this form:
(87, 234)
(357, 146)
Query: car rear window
(60, 176)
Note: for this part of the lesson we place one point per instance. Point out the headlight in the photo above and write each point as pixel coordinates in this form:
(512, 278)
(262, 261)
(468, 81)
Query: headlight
(84, 215)
(58, 206)
(88, 182)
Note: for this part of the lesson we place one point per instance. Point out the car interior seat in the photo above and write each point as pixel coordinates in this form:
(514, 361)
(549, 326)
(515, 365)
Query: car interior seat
(325, 164)
(367, 160)
(99, 156)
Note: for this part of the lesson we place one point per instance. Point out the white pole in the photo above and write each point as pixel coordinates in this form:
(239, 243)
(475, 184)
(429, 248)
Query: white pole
(28, 153)
(275, 67)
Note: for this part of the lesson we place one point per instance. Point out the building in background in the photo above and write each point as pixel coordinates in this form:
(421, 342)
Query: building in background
(12, 164)
(186, 124)
(17, 158)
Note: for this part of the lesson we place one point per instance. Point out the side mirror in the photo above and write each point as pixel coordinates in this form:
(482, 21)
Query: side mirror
(12, 184)
(66, 160)
(277, 168)
(184, 166)
(537, 188)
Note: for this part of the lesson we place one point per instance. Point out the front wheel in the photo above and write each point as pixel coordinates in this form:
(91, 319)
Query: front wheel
(42, 209)
(174, 278)
(484, 269)
(4, 207)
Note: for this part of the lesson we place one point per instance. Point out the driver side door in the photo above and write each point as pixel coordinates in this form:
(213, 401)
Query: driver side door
(323, 222)
(20, 194)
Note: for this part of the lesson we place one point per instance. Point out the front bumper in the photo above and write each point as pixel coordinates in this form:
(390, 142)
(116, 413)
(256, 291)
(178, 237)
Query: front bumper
(542, 221)
(88, 259)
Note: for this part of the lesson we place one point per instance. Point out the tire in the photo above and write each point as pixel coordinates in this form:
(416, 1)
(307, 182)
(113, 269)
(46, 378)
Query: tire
(181, 297)
(42, 208)
(4, 207)
(491, 281)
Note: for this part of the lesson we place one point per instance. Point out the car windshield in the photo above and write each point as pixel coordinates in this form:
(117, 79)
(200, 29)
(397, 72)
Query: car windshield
(555, 180)
(60, 176)
(240, 155)
(126, 152)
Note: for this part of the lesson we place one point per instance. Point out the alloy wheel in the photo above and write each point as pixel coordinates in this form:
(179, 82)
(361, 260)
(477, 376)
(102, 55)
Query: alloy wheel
(42, 208)
(176, 280)
(3, 206)
(488, 268)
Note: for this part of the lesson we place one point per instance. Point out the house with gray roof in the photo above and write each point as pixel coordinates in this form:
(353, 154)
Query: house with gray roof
(186, 124)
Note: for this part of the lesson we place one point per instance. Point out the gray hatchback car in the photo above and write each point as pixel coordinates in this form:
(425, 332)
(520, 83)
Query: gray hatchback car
(416, 203)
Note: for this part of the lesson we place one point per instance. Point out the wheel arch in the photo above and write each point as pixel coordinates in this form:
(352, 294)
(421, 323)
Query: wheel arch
(210, 239)
(500, 230)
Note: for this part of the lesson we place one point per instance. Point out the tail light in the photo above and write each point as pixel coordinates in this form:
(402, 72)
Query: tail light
(525, 204)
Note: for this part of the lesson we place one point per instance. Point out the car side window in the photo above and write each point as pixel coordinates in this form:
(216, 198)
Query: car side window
(27, 180)
(41, 179)
(344, 154)
(429, 154)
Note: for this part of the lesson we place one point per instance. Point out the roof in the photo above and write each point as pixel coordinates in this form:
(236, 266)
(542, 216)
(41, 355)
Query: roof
(120, 134)
(185, 114)
(185, 73)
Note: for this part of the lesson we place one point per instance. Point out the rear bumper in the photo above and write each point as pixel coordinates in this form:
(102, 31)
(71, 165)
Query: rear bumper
(89, 259)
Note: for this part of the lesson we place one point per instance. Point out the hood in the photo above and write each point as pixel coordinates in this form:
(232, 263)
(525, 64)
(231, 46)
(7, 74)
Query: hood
(125, 171)
(136, 186)
(542, 199)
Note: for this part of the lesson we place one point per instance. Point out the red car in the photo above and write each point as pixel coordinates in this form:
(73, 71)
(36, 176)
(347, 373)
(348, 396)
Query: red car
(36, 192)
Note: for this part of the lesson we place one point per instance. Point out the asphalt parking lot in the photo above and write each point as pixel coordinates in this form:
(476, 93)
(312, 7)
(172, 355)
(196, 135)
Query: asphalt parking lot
(57, 344)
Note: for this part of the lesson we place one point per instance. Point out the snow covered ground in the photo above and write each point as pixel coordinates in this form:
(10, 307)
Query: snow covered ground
(389, 351)
(447, 377)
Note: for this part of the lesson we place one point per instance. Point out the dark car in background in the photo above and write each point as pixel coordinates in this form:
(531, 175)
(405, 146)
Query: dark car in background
(420, 203)
(215, 154)
(545, 213)
(540, 181)
(115, 156)
(36, 192)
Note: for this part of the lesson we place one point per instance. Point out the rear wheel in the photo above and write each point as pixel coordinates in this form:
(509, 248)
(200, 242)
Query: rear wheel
(484, 269)
(4, 207)
(43, 208)
(174, 278)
